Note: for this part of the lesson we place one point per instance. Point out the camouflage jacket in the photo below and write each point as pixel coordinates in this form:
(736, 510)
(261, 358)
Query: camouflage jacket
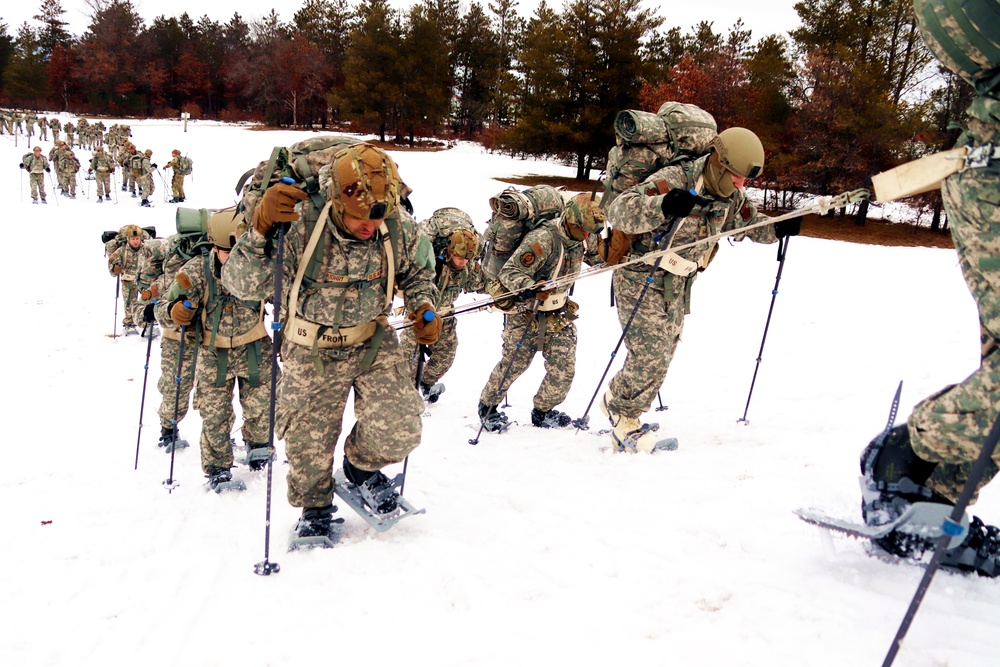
(638, 211)
(535, 259)
(35, 165)
(68, 165)
(128, 260)
(451, 283)
(151, 259)
(69, 128)
(55, 124)
(217, 309)
(351, 285)
(102, 163)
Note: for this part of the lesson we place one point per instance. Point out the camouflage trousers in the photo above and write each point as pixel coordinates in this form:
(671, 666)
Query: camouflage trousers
(214, 400)
(69, 139)
(177, 185)
(130, 298)
(129, 180)
(146, 185)
(949, 428)
(310, 410)
(103, 179)
(651, 339)
(167, 384)
(37, 183)
(440, 355)
(69, 181)
(43, 133)
(558, 350)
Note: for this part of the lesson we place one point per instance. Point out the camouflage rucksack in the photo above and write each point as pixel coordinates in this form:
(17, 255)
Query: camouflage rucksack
(646, 142)
(514, 215)
(443, 224)
(184, 165)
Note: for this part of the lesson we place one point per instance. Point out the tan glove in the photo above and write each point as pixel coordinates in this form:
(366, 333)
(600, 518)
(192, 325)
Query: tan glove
(117, 270)
(426, 333)
(277, 205)
(181, 315)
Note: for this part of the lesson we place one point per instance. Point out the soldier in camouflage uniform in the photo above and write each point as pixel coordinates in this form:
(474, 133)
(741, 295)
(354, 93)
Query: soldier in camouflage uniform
(159, 262)
(336, 329)
(124, 264)
(36, 165)
(553, 249)
(456, 245)
(930, 457)
(646, 211)
(69, 166)
(102, 167)
(129, 172)
(56, 127)
(29, 124)
(55, 154)
(43, 128)
(235, 348)
(69, 129)
(144, 168)
(177, 180)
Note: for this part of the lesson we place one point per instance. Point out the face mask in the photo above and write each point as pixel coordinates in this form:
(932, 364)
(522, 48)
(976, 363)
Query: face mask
(717, 180)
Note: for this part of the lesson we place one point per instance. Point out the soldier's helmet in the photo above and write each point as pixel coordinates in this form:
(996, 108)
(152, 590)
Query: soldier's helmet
(224, 227)
(365, 182)
(36, 149)
(175, 152)
(133, 231)
(963, 34)
(740, 151)
(148, 152)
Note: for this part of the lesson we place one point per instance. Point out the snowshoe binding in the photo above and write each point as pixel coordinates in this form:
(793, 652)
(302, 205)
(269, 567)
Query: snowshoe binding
(221, 480)
(373, 496)
(316, 528)
(550, 418)
(628, 434)
(131, 330)
(431, 392)
(492, 419)
(258, 455)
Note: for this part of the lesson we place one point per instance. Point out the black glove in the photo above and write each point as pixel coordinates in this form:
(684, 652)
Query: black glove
(790, 227)
(679, 203)
(154, 165)
(22, 165)
(147, 313)
(48, 170)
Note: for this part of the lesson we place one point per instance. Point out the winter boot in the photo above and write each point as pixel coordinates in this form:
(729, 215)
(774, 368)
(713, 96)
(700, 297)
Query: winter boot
(258, 455)
(130, 330)
(108, 197)
(893, 479)
(549, 418)
(218, 476)
(100, 200)
(431, 392)
(630, 435)
(378, 492)
(317, 521)
(145, 202)
(492, 419)
(171, 439)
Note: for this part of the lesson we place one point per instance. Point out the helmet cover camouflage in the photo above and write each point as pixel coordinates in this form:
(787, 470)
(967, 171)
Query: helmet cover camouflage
(224, 227)
(365, 182)
(463, 244)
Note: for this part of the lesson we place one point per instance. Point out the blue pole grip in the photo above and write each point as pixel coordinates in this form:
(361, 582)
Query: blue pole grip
(288, 180)
(429, 316)
(187, 304)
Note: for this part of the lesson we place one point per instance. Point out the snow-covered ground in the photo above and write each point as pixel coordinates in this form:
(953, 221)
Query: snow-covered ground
(538, 547)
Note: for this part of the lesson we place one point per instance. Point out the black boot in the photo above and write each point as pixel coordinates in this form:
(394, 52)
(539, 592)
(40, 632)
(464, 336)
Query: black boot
(217, 476)
(979, 552)
(431, 391)
(375, 487)
(316, 521)
(550, 418)
(493, 420)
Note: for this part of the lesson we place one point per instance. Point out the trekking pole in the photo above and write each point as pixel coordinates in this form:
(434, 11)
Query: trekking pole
(782, 249)
(164, 183)
(421, 355)
(660, 401)
(169, 482)
(21, 189)
(55, 188)
(582, 423)
(118, 288)
(142, 403)
(265, 567)
(952, 527)
(503, 378)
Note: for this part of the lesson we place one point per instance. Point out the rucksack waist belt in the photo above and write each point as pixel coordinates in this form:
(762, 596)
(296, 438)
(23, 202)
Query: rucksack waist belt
(175, 334)
(311, 334)
(258, 332)
(554, 301)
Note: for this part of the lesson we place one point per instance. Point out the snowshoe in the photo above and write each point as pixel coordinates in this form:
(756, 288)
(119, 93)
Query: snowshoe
(107, 197)
(171, 440)
(373, 496)
(549, 418)
(492, 419)
(100, 200)
(316, 528)
(258, 455)
(431, 392)
(131, 330)
(43, 201)
(145, 202)
(220, 480)
(34, 201)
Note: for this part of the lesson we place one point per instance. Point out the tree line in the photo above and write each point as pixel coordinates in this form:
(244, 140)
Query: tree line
(851, 92)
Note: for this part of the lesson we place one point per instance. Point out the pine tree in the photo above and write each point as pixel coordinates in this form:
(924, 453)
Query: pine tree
(53, 32)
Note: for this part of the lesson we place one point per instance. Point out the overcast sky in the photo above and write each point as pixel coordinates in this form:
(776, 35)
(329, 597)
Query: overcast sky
(764, 17)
